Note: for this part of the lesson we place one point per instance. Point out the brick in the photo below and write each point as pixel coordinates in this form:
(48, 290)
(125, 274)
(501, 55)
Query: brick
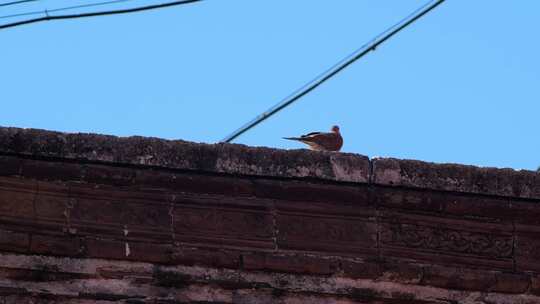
(361, 269)
(103, 248)
(109, 175)
(407, 199)
(10, 166)
(401, 272)
(120, 213)
(290, 263)
(14, 241)
(328, 234)
(311, 192)
(119, 272)
(9, 291)
(477, 207)
(125, 250)
(229, 226)
(535, 284)
(527, 249)
(51, 170)
(194, 183)
(52, 201)
(458, 278)
(206, 257)
(511, 282)
(41, 274)
(17, 197)
(116, 193)
(151, 252)
(321, 199)
(97, 211)
(525, 212)
(439, 258)
(56, 245)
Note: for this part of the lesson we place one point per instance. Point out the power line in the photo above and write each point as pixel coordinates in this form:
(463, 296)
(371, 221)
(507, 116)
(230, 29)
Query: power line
(16, 2)
(62, 9)
(95, 14)
(338, 67)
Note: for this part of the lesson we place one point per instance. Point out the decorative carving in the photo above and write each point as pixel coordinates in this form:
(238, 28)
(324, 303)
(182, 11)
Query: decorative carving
(223, 222)
(445, 239)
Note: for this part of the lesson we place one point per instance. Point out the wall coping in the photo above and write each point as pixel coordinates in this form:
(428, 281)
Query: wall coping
(268, 162)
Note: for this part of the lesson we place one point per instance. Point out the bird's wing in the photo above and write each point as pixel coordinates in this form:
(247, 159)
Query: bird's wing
(310, 134)
(326, 141)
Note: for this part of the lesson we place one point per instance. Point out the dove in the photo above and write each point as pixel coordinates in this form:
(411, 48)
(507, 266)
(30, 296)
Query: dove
(321, 141)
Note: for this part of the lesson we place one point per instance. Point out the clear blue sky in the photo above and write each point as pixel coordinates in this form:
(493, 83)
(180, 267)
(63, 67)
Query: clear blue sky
(461, 85)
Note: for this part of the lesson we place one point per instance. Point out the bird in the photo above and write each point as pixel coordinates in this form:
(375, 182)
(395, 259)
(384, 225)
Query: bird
(321, 141)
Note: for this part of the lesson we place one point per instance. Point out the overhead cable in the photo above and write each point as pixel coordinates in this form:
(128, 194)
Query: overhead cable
(48, 17)
(48, 11)
(16, 2)
(335, 69)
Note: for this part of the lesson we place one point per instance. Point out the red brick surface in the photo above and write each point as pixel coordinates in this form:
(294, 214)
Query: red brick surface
(258, 210)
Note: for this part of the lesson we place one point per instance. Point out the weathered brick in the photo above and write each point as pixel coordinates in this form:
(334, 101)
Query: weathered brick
(535, 284)
(97, 211)
(312, 192)
(194, 183)
(103, 248)
(10, 165)
(14, 241)
(446, 240)
(120, 213)
(231, 226)
(17, 197)
(527, 248)
(401, 272)
(51, 170)
(290, 263)
(476, 207)
(525, 212)
(304, 197)
(151, 252)
(124, 250)
(41, 273)
(206, 257)
(457, 278)
(330, 234)
(56, 245)
(52, 201)
(10, 291)
(109, 175)
(511, 282)
(361, 269)
(408, 199)
(117, 272)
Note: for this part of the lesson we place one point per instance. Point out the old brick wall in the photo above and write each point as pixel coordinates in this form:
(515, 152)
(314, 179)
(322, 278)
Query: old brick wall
(88, 218)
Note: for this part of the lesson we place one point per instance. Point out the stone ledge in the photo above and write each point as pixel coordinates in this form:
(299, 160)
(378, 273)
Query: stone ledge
(178, 154)
(455, 177)
(268, 162)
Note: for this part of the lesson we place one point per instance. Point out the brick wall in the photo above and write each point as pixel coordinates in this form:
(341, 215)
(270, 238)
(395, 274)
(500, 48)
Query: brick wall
(88, 218)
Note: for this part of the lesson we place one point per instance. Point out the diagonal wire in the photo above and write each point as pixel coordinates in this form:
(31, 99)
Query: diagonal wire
(338, 67)
(62, 8)
(92, 14)
(16, 2)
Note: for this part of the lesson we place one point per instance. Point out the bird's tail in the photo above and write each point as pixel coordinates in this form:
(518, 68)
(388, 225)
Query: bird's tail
(293, 138)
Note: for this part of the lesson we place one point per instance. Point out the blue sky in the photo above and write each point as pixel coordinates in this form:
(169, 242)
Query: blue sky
(461, 85)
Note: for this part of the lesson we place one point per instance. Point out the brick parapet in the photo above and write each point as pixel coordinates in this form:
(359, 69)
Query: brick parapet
(268, 162)
(413, 224)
